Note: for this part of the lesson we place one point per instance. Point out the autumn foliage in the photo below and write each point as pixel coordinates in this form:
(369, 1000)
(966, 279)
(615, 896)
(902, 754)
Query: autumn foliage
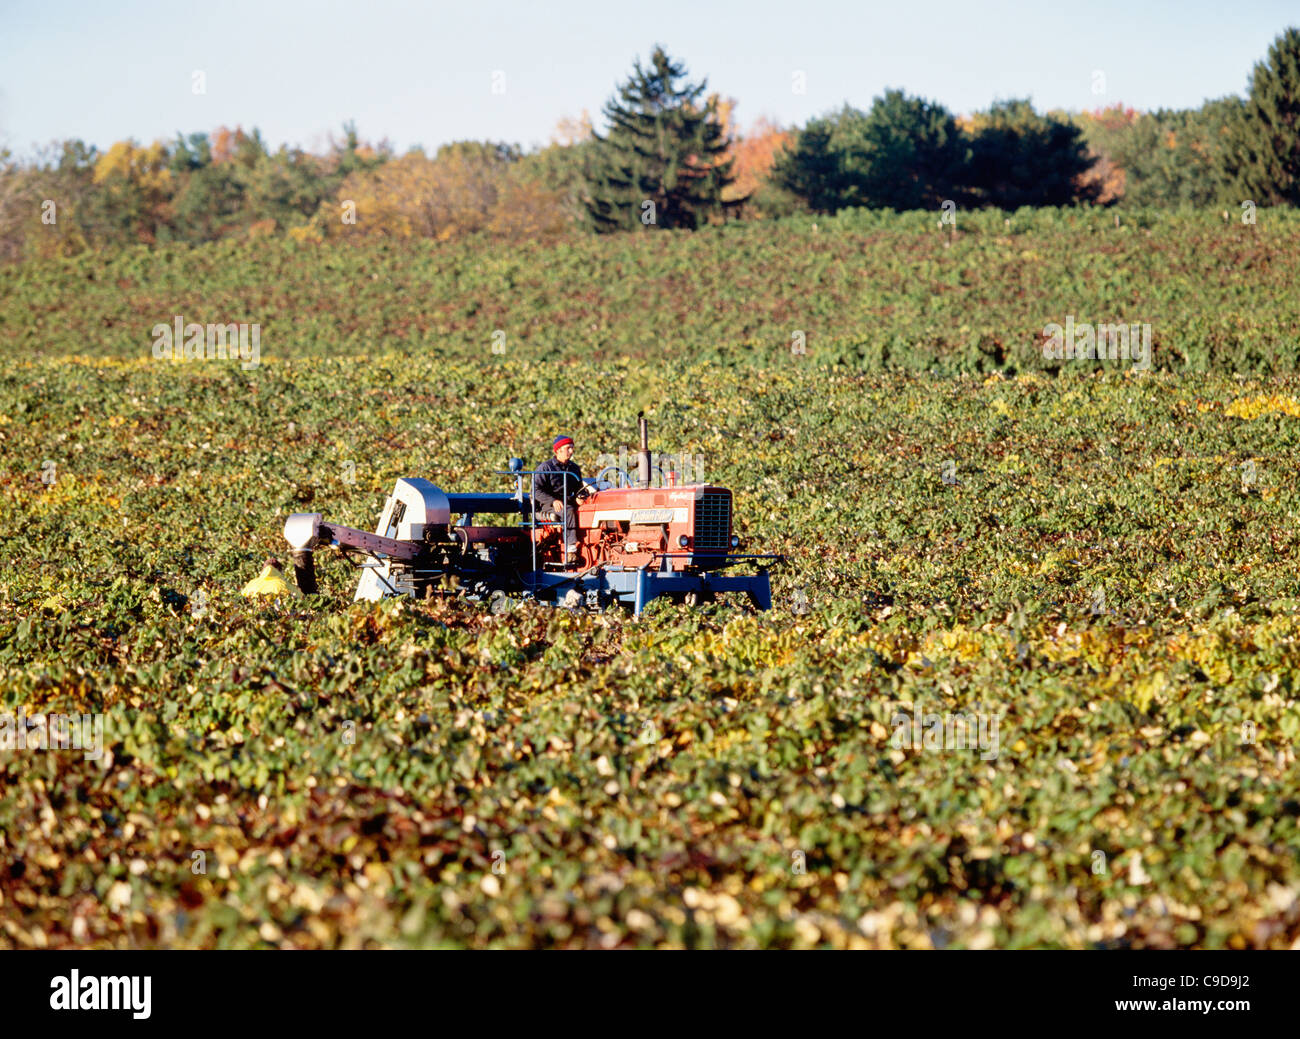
(904, 153)
(466, 188)
(755, 153)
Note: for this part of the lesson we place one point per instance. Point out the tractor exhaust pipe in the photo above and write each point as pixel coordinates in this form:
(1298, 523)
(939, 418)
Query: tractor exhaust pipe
(643, 456)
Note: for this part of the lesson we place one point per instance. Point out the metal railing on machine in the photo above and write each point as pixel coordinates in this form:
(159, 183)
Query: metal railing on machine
(530, 513)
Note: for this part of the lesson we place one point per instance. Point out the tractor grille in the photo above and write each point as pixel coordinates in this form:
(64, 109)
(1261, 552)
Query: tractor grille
(713, 520)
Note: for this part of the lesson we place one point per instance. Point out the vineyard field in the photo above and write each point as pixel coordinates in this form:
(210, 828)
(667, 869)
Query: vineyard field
(1094, 566)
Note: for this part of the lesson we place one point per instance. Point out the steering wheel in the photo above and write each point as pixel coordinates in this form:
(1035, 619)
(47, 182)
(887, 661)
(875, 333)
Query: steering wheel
(623, 479)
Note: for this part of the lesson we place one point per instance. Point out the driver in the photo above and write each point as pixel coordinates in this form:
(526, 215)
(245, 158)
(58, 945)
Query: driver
(557, 489)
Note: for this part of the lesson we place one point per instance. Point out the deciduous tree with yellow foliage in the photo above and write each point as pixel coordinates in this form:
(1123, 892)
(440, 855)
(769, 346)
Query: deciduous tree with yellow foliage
(134, 190)
(467, 188)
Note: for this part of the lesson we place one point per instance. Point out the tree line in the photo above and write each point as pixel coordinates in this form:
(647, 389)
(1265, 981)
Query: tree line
(670, 158)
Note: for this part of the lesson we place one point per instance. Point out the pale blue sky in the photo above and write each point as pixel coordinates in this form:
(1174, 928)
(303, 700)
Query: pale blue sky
(422, 73)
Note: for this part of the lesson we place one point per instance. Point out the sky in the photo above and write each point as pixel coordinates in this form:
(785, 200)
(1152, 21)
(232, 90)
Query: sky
(423, 74)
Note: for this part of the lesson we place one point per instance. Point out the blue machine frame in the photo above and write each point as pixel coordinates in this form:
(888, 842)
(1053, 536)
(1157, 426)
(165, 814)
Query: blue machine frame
(637, 588)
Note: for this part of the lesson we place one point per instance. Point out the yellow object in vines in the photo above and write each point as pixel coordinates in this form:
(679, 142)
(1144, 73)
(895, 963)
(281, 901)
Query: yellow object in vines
(269, 582)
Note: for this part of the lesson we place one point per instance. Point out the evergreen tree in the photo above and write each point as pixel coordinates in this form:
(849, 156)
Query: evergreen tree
(905, 153)
(190, 153)
(1020, 158)
(661, 161)
(287, 187)
(823, 166)
(209, 203)
(915, 153)
(1264, 154)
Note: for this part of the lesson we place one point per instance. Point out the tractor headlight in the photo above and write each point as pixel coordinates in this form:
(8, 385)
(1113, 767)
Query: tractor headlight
(683, 541)
(735, 541)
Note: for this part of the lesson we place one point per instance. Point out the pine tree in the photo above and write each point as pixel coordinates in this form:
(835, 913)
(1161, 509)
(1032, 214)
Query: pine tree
(662, 160)
(905, 153)
(821, 167)
(1020, 158)
(1264, 154)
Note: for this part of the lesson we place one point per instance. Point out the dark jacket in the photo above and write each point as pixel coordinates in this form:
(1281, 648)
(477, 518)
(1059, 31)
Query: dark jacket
(550, 485)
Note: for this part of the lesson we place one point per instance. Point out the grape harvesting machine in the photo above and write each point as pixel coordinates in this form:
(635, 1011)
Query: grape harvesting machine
(635, 543)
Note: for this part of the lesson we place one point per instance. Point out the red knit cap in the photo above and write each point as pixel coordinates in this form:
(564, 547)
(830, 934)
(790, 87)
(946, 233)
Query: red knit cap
(560, 441)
